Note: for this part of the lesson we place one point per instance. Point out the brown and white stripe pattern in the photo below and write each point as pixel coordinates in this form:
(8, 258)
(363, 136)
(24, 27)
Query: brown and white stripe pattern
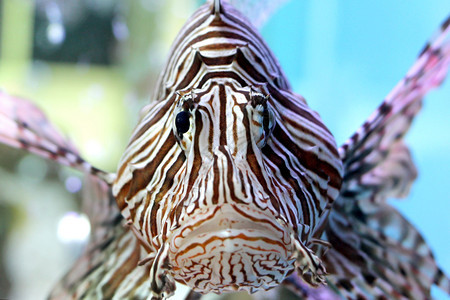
(238, 194)
(232, 201)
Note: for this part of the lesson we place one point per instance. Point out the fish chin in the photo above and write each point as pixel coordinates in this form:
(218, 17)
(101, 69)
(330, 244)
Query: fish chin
(230, 248)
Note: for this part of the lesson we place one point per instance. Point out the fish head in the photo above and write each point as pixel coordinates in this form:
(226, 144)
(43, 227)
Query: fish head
(221, 179)
(228, 222)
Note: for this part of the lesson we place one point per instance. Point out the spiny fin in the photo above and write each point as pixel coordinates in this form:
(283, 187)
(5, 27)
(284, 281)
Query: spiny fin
(370, 145)
(376, 251)
(23, 125)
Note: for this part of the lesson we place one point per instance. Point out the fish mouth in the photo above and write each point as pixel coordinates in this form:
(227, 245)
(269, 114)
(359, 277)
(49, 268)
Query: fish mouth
(231, 247)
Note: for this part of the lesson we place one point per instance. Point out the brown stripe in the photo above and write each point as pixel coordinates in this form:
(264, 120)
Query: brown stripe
(288, 103)
(191, 74)
(309, 159)
(216, 181)
(230, 176)
(254, 164)
(141, 177)
(170, 174)
(248, 67)
(222, 115)
(222, 74)
(285, 172)
(217, 60)
(156, 118)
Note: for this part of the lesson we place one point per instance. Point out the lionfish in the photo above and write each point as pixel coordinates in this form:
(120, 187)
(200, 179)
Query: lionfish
(231, 182)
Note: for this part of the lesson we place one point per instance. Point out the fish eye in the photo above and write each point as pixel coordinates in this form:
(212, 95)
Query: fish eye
(268, 122)
(263, 123)
(182, 122)
(263, 120)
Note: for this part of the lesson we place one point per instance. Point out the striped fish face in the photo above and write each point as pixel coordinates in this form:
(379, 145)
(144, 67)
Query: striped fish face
(229, 175)
(227, 221)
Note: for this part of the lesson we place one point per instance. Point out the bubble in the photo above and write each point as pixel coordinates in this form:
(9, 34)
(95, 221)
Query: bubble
(73, 184)
(120, 29)
(56, 33)
(73, 227)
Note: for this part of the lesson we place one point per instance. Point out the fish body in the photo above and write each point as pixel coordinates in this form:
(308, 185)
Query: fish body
(243, 187)
(231, 182)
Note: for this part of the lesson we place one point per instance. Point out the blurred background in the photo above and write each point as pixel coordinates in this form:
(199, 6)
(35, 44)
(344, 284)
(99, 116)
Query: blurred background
(92, 64)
